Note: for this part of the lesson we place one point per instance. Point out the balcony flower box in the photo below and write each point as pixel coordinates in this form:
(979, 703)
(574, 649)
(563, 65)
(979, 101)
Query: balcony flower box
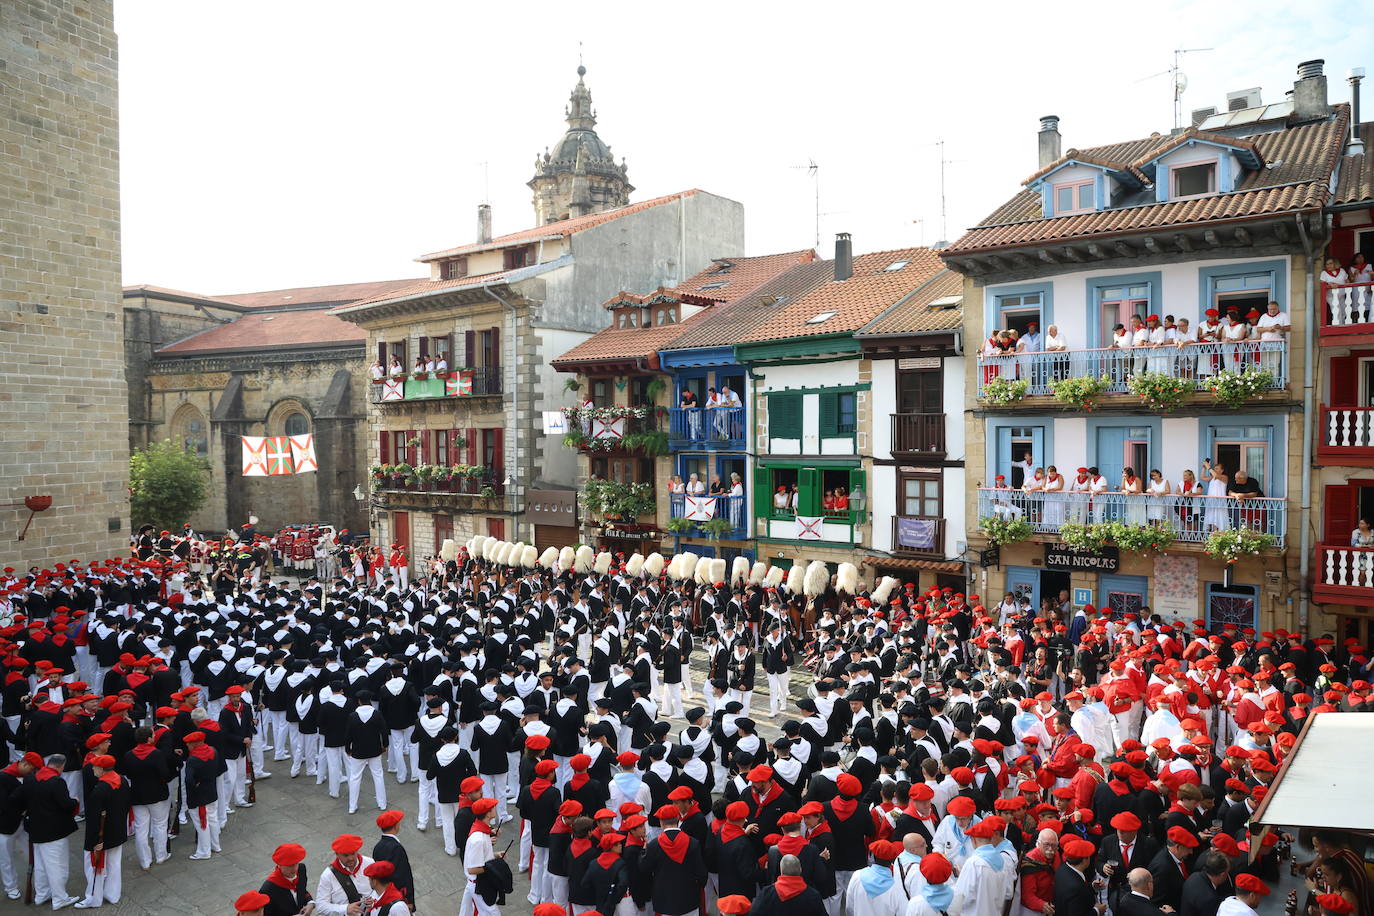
(1082, 391)
(1159, 390)
(1001, 390)
(1233, 388)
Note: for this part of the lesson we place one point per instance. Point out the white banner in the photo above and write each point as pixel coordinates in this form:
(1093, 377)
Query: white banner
(809, 528)
(254, 456)
(608, 429)
(303, 453)
(700, 508)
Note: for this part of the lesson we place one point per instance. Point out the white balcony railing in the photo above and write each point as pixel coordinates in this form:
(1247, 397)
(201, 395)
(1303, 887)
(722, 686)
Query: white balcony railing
(1192, 518)
(1347, 305)
(1194, 364)
(1346, 567)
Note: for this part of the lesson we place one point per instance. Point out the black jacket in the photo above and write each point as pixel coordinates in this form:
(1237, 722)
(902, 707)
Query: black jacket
(1168, 880)
(491, 743)
(606, 887)
(737, 863)
(1132, 904)
(285, 902)
(1200, 897)
(389, 849)
(50, 811)
(107, 805)
(677, 885)
(807, 903)
(1073, 895)
(200, 776)
(149, 771)
(365, 735)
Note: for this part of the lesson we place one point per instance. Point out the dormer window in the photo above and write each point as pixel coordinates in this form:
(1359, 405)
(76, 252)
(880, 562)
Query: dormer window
(455, 269)
(1075, 197)
(1193, 180)
(627, 318)
(665, 315)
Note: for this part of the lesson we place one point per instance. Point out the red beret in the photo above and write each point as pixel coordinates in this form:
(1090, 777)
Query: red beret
(388, 819)
(848, 784)
(736, 811)
(961, 806)
(884, 850)
(681, 793)
(1251, 884)
(1074, 848)
(668, 813)
(981, 830)
(1182, 837)
(253, 900)
(627, 759)
(545, 767)
(1225, 844)
(789, 818)
(483, 806)
(549, 909)
(471, 784)
(381, 870)
(761, 773)
(98, 738)
(935, 868)
(572, 808)
(610, 840)
(104, 761)
(1335, 903)
(730, 905)
(579, 762)
(811, 808)
(922, 792)
(537, 742)
(346, 844)
(1126, 820)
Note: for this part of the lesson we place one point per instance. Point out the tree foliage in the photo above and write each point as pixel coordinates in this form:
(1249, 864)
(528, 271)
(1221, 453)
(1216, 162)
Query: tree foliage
(167, 484)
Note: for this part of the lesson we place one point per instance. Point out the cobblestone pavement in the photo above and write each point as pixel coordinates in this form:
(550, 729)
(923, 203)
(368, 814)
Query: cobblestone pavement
(296, 810)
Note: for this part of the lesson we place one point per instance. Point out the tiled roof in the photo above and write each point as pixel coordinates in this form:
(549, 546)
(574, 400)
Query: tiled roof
(1301, 159)
(268, 329)
(729, 326)
(627, 343)
(855, 301)
(421, 287)
(564, 227)
(731, 279)
(318, 295)
(145, 289)
(915, 316)
(1356, 182)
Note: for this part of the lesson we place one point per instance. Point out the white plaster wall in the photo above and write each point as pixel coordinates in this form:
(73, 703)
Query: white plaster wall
(1180, 448)
(953, 407)
(955, 529)
(817, 375)
(883, 503)
(883, 398)
(1070, 445)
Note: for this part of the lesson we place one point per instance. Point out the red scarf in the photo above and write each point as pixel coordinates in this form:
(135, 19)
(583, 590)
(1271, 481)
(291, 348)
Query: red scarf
(560, 825)
(339, 865)
(112, 780)
(479, 826)
(607, 859)
(695, 809)
(789, 886)
(538, 787)
(282, 881)
(791, 844)
(843, 807)
(143, 750)
(730, 832)
(910, 811)
(774, 790)
(389, 896)
(580, 846)
(45, 774)
(203, 752)
(579, 779)
(821, 828)
(675, 847)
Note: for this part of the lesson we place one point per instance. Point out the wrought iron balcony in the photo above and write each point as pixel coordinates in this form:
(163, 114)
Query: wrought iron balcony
(701, 509)
(920, 435)
(707, 427)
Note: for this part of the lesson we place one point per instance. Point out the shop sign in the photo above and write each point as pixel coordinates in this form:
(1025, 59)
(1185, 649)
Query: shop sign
(1105, 559)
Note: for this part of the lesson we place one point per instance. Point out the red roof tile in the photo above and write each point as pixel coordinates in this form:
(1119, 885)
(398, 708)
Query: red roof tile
(855, 301)
(745, 314)
(1356, 182)
(424, 287)
(267, 330)
(731, 279)
(914, 314)
(335, 294)
(1301, 159)
(564, 227)
(613, 344)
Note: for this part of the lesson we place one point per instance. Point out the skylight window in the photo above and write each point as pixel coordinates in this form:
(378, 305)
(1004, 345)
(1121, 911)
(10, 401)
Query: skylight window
(823, 317)
(716, 285)
(896, 265)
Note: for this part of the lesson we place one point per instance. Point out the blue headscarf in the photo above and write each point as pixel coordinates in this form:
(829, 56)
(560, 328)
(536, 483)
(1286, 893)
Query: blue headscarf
(939, 896)
(876, 880)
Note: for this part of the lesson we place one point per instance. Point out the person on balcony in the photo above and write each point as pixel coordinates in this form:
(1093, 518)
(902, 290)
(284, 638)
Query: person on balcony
(1117, 363)
(726, 399)
(1160, 492)
(1158, 339)
(736, 501)
(418, 370)
(1363, 535)
(1339, 301)
(1182, 337)
(694, 486)
(378, 370)
(1097, 486)
(1056, 344)
(1215, 518)
(1033, 486)
(675, 484)
(688, 402)
(1140, 340)
(1131, 488)
(1188, 490)
(1209, 332)
(1273, 327)
(439, 365)
(717, 488)
(1054, 497)
(1233, 336)
(1360, 272)
(841, 501)
(1242, 488)
(828, 502)
(397, 370)
(1029, 343)
(1001, 500)
(1078, 496)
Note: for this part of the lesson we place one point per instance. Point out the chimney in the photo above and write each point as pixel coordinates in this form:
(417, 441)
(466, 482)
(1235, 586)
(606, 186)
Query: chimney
(1356, 147)
(1309, 92)
(1049, 139)
(844, 256)
(483, 223)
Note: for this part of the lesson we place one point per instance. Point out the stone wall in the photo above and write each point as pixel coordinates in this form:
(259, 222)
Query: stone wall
(63, 403)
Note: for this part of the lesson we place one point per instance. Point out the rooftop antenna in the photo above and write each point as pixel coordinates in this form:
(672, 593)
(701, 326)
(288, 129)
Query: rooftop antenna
(1178, 80)
(943, 229)
(814, 171)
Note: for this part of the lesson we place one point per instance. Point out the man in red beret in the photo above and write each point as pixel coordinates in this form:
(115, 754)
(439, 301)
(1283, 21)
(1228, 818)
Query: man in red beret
(1250, 890)
(107, 821)
(538, 805)
(1171, 867)
(674, 865)
(251, 903)
(767, 800)
(343, 882)
(853, 827)
(951, 838)
(789, 895)
(986, 879)
(200, 779)
(387, 898)
(1123, 851)
(478, 856)
(389, 849)
(11, 818)
(874, 890)
(286, 887)
(738, 861)
(1073, 890)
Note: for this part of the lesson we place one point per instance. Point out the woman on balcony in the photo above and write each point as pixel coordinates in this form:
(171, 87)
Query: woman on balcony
(1183, 338)
(1188, 491)
(1233, 335)
(1054, 497)
(1361, 272)
(1209, 332)
(1363, 535)
(1078, 497)
(1034, 489)
(1118, 360)
(1337, 300)
(397, 370)
(1215, 518)
(1131, 488)
(736, 501)
(378, 370)
(1158, 338)
(1159, 498)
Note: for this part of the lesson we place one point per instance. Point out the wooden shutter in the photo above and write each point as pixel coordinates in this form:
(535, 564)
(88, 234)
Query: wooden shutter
(472, 446)
(381, 351)
(785, 416)
(384, 447)
(809, 491)
(1345, 382)
(493, 356)
(424, 347)
(469, 344)
(450, 355)
(763, 492)
(830, 414)
(498, 453)
(1339, 513)
(427, 446)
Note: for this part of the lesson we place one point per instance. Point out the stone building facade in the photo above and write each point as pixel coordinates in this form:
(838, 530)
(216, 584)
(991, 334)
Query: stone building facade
(63, 408)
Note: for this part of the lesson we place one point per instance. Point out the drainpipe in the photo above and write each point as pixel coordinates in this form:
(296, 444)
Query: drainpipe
(1308, 424)
(515, 398)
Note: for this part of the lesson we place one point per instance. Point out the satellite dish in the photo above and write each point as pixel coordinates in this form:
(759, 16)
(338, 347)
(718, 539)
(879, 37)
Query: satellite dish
(1180, 81)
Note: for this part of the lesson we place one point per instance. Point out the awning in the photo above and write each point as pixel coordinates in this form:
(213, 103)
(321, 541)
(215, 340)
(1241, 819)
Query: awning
(945, 566)
(1324, 782)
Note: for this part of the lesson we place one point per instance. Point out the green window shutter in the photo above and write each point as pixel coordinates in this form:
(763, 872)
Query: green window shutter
(830, 414)
(785, 416)
(809, 492)
(763, 492)
(857, 484)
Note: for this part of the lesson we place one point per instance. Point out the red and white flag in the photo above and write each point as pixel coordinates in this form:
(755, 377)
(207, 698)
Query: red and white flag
(254, 456)
(303, 453)
(700, 508)
(459, 384)
(278, 455)
(809, 527)
(608, 429)
(393, 389)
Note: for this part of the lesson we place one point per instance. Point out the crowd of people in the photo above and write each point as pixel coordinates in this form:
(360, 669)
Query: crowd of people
(946, 760)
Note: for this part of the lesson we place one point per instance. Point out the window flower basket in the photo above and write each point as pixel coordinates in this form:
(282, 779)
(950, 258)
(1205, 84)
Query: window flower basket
(679, 526)
(623, 501)
(1005, 390)
(1080, 392)
(717, 528)
(1235, 387)
(419, 376)
(1158, 390)
(1233, 543)
(1084, 537)
(1142, 538)
(574, 439)
(1005, 531)
(487, 493)
(376, 471)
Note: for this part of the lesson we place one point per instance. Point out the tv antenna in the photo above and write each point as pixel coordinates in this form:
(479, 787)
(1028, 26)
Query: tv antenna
(1178, 79)
(814, 171)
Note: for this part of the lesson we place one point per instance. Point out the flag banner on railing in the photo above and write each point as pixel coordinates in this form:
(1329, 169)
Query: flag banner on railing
(608, 429)
(809, 527)
(278, 455)
(303, 453)
(254, 456)
(393, 389)
(700, 508)
(458, 385)
(916, 532)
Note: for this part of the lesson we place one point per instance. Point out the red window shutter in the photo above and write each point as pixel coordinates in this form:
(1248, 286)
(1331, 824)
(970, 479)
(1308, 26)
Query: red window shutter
(469, 344)
(472, 445)
(424, 347)
(494, 344)
(426, 446)
(498, 456)
(384, 447)
(1345, 382)
(1339, 513)
(381, 351)
(450, 355)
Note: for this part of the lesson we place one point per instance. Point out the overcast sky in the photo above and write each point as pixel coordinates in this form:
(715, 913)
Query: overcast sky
(302, 142)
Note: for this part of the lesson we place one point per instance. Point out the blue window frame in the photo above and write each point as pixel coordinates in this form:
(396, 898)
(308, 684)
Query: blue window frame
(1115, 445)
(1120, 296)
(1013, 306)
(1249, 284)
(1024, 580)
(1256, 439)
(1008, 440)
(1123, 593)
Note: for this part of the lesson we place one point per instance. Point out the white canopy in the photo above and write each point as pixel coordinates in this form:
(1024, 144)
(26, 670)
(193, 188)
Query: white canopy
(1326, 782)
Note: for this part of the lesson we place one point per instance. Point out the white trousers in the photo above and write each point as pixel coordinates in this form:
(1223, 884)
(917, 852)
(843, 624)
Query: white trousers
(539, 875)
(397, 752)
(556, 889)
(305, 752)
(744, 697)
(104, 886)
(11, 843)
(526, 842)
(672, 700)
(777, 693)
(238, 781)
(281, 733)
(151, 821)
(333, 768)
(429, 802)
(447, 812)
(355, 780)
(50, 873)
(207, 830)
(496, 788)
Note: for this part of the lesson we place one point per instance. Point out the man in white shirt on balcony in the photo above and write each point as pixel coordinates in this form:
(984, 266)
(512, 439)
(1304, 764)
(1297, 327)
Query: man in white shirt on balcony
(440, 365)
(1273, 328)
(694, 486)
(724, 399)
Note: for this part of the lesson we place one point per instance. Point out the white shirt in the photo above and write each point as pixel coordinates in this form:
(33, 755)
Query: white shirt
(1232, 906)
(477, 853)
(1270, 326)
(981, 890)
(330, 899)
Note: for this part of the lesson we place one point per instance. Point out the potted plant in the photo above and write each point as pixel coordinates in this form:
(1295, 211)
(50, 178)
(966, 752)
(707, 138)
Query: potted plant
(1142, 538)
(1002, 390)
(1081, 391)
(425, 475)
(376, 471)
(717, 528)
(679, 525)
(487, 492)
(1233, 543)
(1004, 531)
(401, 473)
(1159, 390)
(571, 384)
(1234, 387)
(1084, 537)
